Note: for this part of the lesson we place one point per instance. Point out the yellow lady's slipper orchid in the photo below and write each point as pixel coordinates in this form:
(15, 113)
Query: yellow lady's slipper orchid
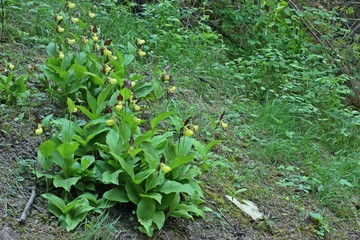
(61, 55)
(91, 15)
(165, 168)
(10, 66)
(141, 53)
(74, 20)
(95, 38)
(188, 132)
(107, 68)
(172, 89)
(60, 29)
(110, 122)
(133, 84)
(71, 41)
(137, 120)
(112, 81)
(107, 52)
(195, 127)
(39, 131)
(140, 41)
(118, 107)
(137, 108)
(71, 5)
(75, 110)
(58, 18)
(224, 125)
(84, 40)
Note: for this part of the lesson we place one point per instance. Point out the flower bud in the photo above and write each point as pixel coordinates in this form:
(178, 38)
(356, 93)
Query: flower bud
(84, 39)
(137, 120)
(75, 110)
(137, 108)
(133, 84)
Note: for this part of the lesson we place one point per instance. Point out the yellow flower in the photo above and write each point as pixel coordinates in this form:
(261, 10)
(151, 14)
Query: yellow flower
(95, 38)
(107, 68)
(74, 20)
(195, 127)
(71, 41)
(60, 29)
(107, 52)
(61, 55)
(84, 39)
(141, 53)
(133, 84)
(112, 81)
(172, 89)
(110, 122)
(224, 125)
(137, 108)
(137, 120)
(165, 168)
(188, 132)
(10, 66)
(71, 5)
(75, 110)
(119, 107)
(39, 131)
(140, 41)
(91, 15)
(58, 18)
(114, 57)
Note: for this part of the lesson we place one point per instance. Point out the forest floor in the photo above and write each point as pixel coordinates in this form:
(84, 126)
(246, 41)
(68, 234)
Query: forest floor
(285, 210)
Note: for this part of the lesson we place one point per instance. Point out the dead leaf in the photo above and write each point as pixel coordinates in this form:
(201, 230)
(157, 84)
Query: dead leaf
(248, 207)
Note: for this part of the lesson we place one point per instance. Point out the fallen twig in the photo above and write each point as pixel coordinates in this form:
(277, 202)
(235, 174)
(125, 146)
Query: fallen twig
(28, 205)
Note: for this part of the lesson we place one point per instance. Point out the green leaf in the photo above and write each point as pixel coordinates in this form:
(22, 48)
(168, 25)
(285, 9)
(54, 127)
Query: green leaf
(85, 111)
(111, 177)
(179, 161)
(86, 161)
(159, 219)
(67, 149)
(128, 58)
(133, 191)
(184, 146)
(154, 180)
(125, 165)
(91, 101)
(131, 49)
(67, 131)
(46, 148)
(145, 209)
(155, 196)
(104, 94)
(211, 144)
(141, 176)
(70, 104)
(65, 183)
(56, 201)
(155, 121)
(176, 187)
(51, 49)
(117, 195)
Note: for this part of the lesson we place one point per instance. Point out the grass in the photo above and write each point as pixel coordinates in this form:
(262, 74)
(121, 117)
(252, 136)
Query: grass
(272, 151)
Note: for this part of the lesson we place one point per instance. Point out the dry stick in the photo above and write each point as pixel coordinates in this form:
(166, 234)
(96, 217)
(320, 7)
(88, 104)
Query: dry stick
(28, 205)
(344, 68)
